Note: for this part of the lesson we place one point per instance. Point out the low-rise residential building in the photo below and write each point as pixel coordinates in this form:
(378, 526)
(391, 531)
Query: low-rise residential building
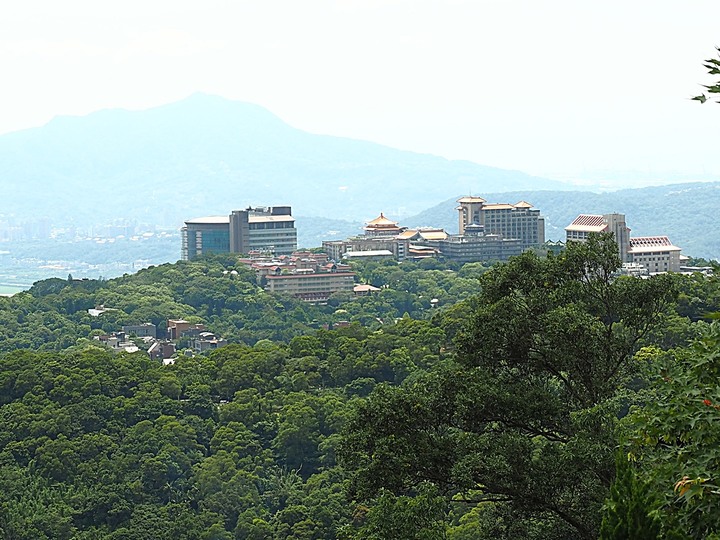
(161, 350)
(140, 330)
(177, 328)
(118, 341)
(207, 341)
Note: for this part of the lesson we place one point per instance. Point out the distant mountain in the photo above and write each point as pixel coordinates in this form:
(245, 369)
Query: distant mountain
(687, 213)
(209, 155)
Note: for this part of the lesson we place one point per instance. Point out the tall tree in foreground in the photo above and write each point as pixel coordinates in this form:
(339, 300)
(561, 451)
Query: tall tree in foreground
(675, 436)
(713, 67)
(521, 422)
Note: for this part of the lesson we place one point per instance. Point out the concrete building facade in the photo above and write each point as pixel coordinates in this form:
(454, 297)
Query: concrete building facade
(311, 287)
(477, 246)
(655, 253)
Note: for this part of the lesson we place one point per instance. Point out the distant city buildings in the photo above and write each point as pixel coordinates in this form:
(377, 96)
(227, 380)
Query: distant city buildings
(268, 229)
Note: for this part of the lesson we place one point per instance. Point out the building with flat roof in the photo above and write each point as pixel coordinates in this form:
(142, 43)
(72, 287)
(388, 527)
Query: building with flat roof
(521, 221)
(311, 287)
(474, 245)
(267, 229)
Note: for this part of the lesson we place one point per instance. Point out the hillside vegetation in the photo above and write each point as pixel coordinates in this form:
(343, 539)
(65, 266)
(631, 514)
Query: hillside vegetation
(383, 428)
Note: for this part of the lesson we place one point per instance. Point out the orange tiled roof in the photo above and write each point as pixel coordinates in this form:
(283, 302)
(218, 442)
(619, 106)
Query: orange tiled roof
(381, 221)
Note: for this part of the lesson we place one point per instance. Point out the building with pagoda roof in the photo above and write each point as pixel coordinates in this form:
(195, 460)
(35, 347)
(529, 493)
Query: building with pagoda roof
(382, 226)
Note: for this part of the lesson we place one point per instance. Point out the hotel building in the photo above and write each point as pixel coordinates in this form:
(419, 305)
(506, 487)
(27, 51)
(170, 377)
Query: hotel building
(521, 220)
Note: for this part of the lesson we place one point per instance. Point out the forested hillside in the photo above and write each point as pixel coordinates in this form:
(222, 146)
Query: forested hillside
(456, 402)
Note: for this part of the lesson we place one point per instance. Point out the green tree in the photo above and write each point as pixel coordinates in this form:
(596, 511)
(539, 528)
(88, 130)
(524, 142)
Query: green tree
(674, 435)
(524, 415)
(627, 513)
(713, 67)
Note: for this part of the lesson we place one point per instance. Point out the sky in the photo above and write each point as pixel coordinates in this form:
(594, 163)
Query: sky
(585, 92)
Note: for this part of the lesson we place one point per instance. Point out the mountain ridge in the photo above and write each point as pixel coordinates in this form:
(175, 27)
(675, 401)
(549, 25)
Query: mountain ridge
(206, 155)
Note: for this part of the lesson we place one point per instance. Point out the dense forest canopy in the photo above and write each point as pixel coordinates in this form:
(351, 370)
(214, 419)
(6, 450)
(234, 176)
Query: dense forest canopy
(455, 402)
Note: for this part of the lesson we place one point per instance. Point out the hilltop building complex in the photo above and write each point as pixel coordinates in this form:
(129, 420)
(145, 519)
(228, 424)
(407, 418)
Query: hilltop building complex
(305, 275)
(488, 232)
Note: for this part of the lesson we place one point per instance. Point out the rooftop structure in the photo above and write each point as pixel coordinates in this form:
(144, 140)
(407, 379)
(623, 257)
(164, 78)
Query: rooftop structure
(382, 226)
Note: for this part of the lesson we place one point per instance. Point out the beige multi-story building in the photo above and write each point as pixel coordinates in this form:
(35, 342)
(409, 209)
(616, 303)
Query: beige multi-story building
(380, 234)
(521, 221)
(655, 253)
(311, 286)
(385, 238)
(641, 254)
(476, 246)
(585, 224)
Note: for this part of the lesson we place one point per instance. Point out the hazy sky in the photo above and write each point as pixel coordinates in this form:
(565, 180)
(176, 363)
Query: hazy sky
(570, 89)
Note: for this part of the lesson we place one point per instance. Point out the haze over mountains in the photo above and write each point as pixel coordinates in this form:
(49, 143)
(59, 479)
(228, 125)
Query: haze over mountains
(209, 155)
